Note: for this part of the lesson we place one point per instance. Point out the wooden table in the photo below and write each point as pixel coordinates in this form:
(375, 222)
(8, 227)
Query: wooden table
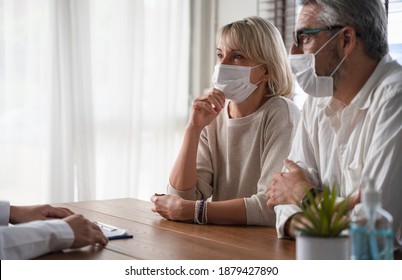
(156, 238)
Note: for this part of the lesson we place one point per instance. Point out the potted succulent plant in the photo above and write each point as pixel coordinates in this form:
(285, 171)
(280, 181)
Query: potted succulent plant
(321, 228)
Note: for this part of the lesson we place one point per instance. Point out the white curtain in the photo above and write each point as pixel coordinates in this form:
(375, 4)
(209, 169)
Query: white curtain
(93, 97)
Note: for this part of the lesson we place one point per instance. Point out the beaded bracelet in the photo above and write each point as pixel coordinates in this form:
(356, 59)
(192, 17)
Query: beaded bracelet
(205, 213)
(197, 203)
(200, 216)
(200, 212)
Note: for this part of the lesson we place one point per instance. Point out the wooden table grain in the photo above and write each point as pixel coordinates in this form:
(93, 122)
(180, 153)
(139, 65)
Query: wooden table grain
(158, 239)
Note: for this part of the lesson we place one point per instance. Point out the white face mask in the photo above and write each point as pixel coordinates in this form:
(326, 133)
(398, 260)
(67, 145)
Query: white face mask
(234, 81)
(303, 68)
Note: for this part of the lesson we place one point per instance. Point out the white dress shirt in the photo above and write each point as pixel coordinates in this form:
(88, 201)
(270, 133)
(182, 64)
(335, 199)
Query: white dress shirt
(30, 240)
(343, 146)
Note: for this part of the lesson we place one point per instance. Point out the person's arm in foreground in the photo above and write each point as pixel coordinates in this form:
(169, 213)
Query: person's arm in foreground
(28, 240)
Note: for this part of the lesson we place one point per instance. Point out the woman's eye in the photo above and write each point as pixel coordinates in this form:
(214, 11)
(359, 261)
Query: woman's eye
(237, 57)
(219, 55)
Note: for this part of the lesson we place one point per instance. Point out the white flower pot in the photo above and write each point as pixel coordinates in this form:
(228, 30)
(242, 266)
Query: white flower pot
(322, 248)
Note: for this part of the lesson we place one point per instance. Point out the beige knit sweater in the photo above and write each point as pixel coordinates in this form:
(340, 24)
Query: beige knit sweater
(237, 157)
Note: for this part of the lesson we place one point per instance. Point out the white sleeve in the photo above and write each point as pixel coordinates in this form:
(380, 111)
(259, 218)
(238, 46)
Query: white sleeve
(4, 212)
(30, 240)
(283, 212)
(302, 153)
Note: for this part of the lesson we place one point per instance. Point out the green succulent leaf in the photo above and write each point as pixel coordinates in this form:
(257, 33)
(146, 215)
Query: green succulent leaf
(323, 215)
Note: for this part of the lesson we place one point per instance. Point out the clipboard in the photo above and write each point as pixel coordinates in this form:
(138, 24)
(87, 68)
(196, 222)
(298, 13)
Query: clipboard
(113, 233)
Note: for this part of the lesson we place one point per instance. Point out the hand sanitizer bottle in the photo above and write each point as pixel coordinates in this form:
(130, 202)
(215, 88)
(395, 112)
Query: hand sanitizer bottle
(371, 229)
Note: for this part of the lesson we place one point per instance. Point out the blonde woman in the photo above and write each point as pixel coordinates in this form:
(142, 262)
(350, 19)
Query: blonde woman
(238, 134)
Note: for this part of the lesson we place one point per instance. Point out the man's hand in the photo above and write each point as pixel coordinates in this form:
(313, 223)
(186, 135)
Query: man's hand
(23, 214)
(288, 187)
(85, 232)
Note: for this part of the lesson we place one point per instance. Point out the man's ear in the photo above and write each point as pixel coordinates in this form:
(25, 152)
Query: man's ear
(349, 39)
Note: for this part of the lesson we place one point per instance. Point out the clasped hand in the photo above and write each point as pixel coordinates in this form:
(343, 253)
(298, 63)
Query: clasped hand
(173, 207)
(288, 187)
(85, 232)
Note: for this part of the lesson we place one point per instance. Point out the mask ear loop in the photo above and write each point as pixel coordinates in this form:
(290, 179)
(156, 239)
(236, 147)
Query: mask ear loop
(268, 85)
(326, 43)
(266, 95)
(323, 46)
(339, 65)
(256, 67)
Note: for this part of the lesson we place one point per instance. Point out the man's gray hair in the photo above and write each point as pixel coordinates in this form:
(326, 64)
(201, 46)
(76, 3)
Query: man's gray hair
(368, 17)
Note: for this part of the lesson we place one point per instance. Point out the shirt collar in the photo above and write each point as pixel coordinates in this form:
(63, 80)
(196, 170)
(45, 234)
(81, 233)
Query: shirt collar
(363, 98)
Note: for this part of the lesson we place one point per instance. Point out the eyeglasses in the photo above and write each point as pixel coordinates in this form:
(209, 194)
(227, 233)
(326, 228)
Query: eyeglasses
(297, 33)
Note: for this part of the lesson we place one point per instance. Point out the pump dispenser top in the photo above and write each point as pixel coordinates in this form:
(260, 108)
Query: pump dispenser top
(371, 197)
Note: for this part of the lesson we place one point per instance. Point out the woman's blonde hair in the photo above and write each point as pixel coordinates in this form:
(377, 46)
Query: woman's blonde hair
(261, 42)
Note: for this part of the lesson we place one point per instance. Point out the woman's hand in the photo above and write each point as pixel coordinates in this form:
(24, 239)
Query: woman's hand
(205, 108)
(173, 207)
